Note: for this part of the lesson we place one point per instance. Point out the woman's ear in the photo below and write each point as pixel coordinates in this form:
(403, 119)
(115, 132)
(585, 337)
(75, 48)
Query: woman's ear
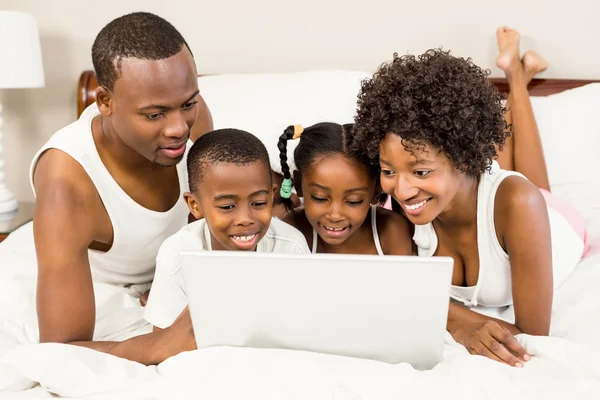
(298, 184)
(379, 195)
(193, 205)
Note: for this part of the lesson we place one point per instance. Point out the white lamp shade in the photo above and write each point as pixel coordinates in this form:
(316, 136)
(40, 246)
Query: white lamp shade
(20, 51)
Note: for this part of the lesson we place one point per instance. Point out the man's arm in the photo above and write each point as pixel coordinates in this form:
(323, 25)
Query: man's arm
(65, 224)
(64, 227)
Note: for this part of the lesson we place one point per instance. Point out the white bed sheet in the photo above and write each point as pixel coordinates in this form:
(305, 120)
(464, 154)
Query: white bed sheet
(567, 364)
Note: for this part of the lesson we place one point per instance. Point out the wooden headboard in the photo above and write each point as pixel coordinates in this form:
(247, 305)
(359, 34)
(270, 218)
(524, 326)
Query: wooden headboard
(86, 88)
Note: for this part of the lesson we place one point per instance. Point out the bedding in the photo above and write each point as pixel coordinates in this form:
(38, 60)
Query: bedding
(565, 364)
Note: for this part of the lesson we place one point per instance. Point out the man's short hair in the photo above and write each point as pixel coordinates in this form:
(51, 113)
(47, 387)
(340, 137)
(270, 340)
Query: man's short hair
(139, 35)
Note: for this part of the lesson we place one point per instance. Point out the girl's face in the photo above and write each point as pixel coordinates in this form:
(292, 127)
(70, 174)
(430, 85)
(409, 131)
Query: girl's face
(337, 195)
(422, 179)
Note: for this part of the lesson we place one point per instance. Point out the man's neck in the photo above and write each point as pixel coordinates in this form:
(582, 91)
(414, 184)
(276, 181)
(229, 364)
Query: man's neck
(110, 145)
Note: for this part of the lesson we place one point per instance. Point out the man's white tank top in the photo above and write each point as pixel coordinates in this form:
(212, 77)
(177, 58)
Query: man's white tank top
(137, 231)
(494, 284)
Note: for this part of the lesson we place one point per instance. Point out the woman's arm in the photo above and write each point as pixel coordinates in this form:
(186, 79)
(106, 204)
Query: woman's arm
(485, 336)
(523, 229)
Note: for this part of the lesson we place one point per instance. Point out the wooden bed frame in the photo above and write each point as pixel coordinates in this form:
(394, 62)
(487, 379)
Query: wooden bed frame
(88, 83)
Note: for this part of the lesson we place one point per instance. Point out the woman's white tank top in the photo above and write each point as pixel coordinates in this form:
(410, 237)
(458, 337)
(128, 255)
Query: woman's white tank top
(494, 284)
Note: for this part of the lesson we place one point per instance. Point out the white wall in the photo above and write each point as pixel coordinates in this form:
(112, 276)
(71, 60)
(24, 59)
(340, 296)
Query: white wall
(283, 35)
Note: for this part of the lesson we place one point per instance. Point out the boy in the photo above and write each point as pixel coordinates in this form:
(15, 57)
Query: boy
(231, 193)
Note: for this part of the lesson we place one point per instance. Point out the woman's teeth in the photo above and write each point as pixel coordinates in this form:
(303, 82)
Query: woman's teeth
(415, 206)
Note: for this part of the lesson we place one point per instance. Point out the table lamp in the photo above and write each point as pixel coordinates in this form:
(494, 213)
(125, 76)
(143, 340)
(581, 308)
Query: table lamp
(21, 67)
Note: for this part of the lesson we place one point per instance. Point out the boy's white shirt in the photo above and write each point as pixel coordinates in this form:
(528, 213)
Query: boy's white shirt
(168, 298)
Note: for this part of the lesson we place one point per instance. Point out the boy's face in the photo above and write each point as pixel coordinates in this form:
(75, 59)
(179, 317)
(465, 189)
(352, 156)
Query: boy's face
(236, 201)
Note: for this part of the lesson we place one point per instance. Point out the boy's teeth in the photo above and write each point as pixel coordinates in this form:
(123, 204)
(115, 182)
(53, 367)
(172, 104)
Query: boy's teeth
(415, 206)
(244, 238)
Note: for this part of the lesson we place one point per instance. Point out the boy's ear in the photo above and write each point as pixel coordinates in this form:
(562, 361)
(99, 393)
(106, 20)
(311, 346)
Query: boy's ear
(104, 100)
(193, 205)
(275, 193)
(297, 184)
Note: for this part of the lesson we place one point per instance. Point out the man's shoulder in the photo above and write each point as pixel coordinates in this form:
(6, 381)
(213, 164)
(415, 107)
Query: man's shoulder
(285, 236)
(73, 134)
(61, 155)
(57, 172)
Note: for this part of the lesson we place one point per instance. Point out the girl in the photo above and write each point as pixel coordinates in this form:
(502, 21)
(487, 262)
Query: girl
(433, 124)
(339, 189)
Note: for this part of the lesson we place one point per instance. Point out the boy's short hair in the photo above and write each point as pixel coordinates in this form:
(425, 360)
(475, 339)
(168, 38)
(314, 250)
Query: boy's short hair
(138, 35)
(436, 99)
(224, 146)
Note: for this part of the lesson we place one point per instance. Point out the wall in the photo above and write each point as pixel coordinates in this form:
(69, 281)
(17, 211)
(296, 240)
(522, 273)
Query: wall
(280, 35)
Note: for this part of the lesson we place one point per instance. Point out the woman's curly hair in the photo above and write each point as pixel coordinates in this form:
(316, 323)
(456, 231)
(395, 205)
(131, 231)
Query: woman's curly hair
(435, 99)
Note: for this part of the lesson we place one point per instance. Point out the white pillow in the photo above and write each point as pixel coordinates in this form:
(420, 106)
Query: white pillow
(569, 125)
(266, 104)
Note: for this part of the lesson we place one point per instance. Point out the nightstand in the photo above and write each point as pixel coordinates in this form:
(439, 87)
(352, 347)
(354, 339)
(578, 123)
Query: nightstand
(9, 223)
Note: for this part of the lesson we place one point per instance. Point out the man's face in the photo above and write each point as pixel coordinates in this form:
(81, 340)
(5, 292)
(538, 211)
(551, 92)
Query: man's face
(153, 106)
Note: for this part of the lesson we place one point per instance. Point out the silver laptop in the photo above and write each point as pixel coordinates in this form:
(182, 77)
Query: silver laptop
(391, 308)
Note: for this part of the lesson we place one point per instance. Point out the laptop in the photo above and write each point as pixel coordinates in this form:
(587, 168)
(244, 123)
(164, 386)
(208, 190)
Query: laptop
(386, 308)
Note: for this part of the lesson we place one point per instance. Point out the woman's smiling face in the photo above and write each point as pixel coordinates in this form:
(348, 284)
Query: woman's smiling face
(421, 178)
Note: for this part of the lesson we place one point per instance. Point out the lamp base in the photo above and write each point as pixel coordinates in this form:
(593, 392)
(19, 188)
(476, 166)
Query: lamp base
(8, 204)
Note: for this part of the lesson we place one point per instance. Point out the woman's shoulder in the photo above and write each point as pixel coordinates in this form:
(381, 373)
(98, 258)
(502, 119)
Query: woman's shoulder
(518, 204)
(516, 192)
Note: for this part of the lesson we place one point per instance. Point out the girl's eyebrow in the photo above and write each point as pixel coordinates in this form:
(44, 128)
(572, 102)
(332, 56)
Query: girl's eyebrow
(358, 189)
(319, 186)
(325, 188)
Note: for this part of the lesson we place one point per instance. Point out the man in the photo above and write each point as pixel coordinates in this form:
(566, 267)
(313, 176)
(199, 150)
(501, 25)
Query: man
(109, 186)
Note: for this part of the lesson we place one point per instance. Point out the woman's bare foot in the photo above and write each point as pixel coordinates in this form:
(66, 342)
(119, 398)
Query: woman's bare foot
(533, 64)
(508, 59)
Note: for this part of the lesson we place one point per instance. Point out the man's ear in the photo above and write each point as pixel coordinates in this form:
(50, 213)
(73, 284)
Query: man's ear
(193, 205)
(297, 183)
(104, 100)
(203, 122)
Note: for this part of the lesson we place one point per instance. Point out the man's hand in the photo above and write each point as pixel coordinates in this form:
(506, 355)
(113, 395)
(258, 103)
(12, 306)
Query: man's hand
(177, 338)
(489, 339)
(144, 298)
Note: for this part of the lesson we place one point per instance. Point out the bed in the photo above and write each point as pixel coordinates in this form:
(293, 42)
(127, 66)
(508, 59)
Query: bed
(88, 83)
(566, 364)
